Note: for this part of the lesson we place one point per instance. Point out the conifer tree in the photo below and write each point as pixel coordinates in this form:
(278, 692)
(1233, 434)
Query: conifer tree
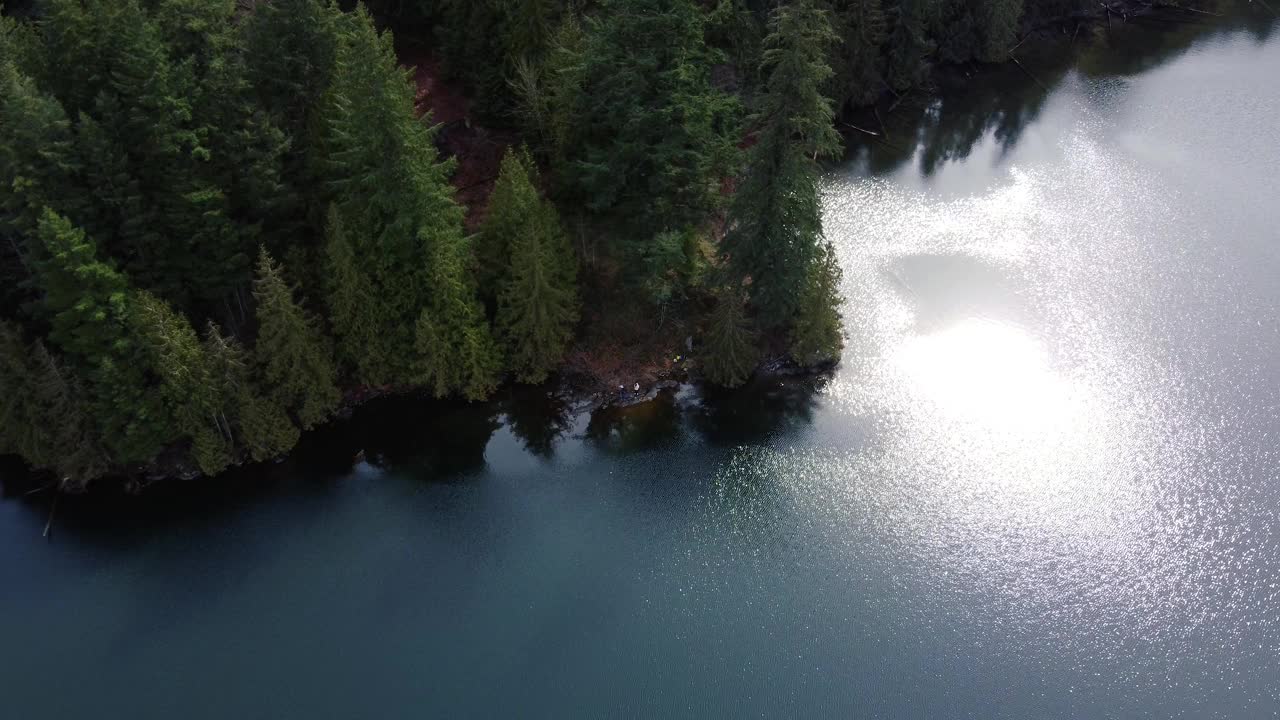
(290, 47)
(247, 418)
(21, 44)
(535, 271)
(238, 182)
(37, 169)
(18, 434)
(293, 359)
(816, 334)
(483, 40)
(152, 210)
(37, 154)
(76, 455)
(858, 64)
(353, 310)
(25, 429)
(730, 352)
(186, 384)
(651, 138)
(87, 303)
(997, 28)
(44, 413)
(456, 352)
(396, 203)
(775, 221)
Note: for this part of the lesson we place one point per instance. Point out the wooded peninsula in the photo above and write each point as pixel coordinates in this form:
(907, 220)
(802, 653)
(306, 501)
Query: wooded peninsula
(219, 219)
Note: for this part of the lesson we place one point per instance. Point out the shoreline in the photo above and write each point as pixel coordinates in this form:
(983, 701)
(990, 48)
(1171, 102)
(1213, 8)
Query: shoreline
(599, 374)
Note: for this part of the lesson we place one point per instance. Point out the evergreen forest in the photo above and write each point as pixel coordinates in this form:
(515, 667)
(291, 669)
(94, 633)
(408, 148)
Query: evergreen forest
(221, 220)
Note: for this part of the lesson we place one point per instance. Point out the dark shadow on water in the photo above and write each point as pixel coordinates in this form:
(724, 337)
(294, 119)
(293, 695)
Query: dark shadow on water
(430, 439)
(419, 437)
(766, 407)
(633, 428)
(973, 102)
(538, 417)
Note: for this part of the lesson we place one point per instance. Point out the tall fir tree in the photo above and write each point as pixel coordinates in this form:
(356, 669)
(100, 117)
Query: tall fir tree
(651, 138)
(44, 414)
(293, 358)
(483, 40)
(289, 54)
(154, 211)
(775, 222)
(729, 353)
(186, 383)
(397, 206)
(38, 168)
(353, 307)
(249, 419)
(87, 304)
(38, 162)
(455, 350)
(817, 336)
(857, 63)
(530, 261)
(290, 46)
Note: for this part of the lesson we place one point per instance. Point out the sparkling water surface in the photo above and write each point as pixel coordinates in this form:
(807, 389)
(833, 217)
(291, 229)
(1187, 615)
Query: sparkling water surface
(1043, 482)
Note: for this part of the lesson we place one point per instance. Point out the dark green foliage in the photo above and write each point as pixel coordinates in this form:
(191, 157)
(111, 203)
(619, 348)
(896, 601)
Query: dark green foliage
(289, 53)
(86, 302)
(150, 148)
(400, 219)
(907, 44)
(261, 426)
(816, 334)
(353, 307)
(729, 353)
(535, 272)
(775, 219)
(293, 359)
(44, 413)
(482, 42)
(739, 30)
(38, 165)
(290, 47)
(251, 421)
(981, 30)
(145, 148)
(669, 265)
(186, 382)
(651, 138)
(546, 90)
(455, 350)
(858, 66)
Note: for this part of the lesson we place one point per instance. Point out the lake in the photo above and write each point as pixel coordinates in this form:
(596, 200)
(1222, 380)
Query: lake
(1044, 482)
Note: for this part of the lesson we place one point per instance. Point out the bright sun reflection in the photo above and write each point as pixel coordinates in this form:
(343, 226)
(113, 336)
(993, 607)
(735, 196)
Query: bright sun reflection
(990, 373)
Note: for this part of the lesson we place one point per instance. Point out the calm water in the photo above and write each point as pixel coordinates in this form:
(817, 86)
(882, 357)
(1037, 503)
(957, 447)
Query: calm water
(1042, 484)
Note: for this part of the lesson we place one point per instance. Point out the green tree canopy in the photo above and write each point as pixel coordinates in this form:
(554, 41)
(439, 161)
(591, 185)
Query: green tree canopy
(651, 137)
(293, 358)
(729, 354)
(529, 259)
(775, 222)
(87, 304)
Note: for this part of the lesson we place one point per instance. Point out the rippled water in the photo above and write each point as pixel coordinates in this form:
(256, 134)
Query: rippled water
(1043, 483)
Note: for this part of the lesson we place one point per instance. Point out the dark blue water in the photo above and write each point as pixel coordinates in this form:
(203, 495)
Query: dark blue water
(1043, 483)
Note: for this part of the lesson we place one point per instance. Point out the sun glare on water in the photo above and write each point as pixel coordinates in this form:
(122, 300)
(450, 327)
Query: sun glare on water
(990, 374)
